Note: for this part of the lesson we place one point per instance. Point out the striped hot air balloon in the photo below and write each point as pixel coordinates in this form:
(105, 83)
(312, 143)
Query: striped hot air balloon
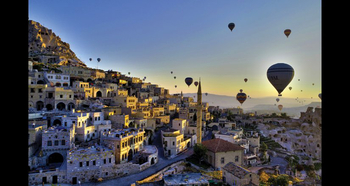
(241, 97)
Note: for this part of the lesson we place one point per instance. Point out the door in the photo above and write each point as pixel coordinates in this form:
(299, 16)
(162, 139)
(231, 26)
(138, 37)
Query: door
(74, 180)
(54, 179)
(44, 180)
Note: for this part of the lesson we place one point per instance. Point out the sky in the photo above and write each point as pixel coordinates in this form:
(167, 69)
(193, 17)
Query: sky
(191, 38)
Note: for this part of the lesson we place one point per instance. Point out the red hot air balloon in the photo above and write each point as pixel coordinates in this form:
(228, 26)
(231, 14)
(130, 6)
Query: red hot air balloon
(241, 97)
(188, 81)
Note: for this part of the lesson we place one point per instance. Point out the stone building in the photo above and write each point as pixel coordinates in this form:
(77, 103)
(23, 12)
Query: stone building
(125, 143)
(174, 142)
(56, 141)
(220, 152)
(233, 174)
(58, 79)
(89, 164)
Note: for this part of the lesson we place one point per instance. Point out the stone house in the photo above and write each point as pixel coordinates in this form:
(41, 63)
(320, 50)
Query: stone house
(220, 152)
(125, 143)
(233, 174)
(174, 142)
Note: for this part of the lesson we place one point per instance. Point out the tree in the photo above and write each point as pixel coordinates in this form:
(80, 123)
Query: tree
(264, 177)
(281, 180)
(263, 147)
(200, 151)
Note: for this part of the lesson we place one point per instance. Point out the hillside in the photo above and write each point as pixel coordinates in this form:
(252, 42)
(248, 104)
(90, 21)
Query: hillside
(44, 46)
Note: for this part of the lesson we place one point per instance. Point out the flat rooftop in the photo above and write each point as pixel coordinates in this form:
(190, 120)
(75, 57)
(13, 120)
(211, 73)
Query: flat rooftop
(185, 179)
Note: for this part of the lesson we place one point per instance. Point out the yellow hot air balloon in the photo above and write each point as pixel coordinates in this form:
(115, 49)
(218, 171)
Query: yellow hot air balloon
(280, 107)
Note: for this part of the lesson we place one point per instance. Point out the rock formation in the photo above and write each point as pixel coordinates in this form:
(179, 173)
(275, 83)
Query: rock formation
(46, 47)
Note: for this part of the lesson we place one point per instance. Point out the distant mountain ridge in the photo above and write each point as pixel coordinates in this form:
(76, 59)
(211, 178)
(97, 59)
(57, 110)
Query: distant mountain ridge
(46, 47)
(262, 105)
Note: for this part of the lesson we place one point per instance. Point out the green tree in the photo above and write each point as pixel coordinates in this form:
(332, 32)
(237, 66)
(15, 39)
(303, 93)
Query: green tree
(200, 151)
(263, 147)
(280, 180)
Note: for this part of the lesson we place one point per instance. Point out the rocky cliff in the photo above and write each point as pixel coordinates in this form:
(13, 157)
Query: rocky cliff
(46, 47)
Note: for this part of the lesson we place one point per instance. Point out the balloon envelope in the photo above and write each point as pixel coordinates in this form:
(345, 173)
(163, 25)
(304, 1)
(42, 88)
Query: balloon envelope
(245, 79)
(320, 95)
(196, 83)
(287, 32)
(188, 81)
(280, 107)
(241, 97)
(98, 59)
(280, 75)
(277, 99)
(231, 26)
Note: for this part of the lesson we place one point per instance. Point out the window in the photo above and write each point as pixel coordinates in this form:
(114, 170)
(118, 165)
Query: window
(110, 160)
(32, 90)
(236, 158)
(63, 142)
(80, 164)
(87, 163)
(104, 161)
(56, 142)
(49, 143)
(222, 160)
(94, 162)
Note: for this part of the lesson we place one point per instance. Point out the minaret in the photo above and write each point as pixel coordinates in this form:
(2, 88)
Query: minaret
(199, 113)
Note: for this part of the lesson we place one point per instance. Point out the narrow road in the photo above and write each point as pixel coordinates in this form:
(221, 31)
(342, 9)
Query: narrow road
(127, 180)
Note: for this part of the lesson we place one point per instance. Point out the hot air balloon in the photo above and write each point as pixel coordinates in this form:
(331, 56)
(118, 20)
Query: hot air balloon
(206, 94)
(277, 99)
(129, 73)
(231, 26)
(241, 97)
(313, 83)
(175, 86)
(245, 80)
(174, 77)
(171, 72)
(196, 83)
(90, 58)
(188, 81)
(280, 75)
(98, 59)
(287, 32)
(290, 88)
(280, 107)
(320, 95)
